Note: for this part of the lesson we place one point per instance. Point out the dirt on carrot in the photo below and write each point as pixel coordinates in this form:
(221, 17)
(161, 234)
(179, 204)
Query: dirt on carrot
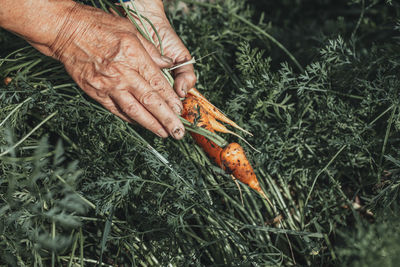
(235, 161)
(194, 113)
(232, 158)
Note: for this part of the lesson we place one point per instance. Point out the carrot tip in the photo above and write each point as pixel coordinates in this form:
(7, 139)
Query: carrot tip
(265, 196)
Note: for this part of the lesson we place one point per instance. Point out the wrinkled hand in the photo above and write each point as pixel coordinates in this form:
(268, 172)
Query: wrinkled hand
(172, 44)
(109, 59)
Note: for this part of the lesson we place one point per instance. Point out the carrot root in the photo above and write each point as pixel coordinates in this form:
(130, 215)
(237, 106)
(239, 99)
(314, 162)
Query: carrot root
(235, 161)
(232, 158)
(214, 111)
(192, 112)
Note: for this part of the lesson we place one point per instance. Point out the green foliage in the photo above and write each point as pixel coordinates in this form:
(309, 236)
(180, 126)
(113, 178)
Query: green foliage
(329, 141)
(372, 244)
(38, 194)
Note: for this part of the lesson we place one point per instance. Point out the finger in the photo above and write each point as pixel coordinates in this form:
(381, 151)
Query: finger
(154, 77)
(111, 106)
(117, 111)
(184, 79)
(128, 108)
(157, 106)
(105, 101)
(184, 76)
(160, 85)
(163, 62)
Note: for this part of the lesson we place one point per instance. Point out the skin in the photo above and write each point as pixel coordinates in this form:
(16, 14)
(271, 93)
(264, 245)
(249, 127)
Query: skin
(184, 76)
(108, 58)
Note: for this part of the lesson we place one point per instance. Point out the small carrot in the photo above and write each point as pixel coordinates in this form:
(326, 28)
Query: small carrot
(214, 111)
(235, 161)
(7, 80)
(192, 112)
(231, 158)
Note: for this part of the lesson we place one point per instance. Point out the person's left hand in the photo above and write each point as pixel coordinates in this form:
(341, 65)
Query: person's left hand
(172, 44)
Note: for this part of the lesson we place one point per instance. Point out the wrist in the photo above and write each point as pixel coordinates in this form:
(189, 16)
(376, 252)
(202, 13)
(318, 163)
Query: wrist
(36, 21)
(74, 23)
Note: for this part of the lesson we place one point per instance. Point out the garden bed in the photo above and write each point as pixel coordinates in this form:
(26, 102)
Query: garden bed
(317, 84)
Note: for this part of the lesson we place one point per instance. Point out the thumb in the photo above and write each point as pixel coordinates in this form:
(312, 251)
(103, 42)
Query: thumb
(161, 61)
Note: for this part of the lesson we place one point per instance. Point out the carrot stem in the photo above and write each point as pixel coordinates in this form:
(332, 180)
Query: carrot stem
(142, 22)
(218, 140)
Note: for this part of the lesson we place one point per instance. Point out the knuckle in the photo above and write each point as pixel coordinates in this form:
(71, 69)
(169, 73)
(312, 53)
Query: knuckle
(150, 48)
(192, 78)
(108, 104)
(149, 98)
(113, 69)
(102, 93)
(131, 109)
(157, 83)
(173, 99)
(129, 46)
(99, 86)
(126, 39)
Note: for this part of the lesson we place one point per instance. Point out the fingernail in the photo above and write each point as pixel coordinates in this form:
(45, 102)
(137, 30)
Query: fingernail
(178, 133)
(167, 59)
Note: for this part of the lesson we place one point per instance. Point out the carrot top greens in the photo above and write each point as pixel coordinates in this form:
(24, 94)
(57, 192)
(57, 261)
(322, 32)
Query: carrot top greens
(80, 186)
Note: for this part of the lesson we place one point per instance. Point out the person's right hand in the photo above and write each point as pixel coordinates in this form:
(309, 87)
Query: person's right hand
(109, 59)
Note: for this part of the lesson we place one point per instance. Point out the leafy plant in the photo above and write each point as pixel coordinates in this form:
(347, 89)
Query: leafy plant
(328, 133)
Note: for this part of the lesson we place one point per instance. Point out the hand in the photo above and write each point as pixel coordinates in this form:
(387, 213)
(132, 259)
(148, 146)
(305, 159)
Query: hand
(106, 57)
(172, 44)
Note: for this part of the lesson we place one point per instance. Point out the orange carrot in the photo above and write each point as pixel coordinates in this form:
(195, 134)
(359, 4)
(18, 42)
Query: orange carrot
(232, 158)
(213, 110)
(236, 162)
(192, 111)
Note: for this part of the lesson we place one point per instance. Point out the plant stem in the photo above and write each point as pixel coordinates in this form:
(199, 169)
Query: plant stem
(80, 196)
(209, 135)
(142, 22)
(29, 134)
(321, 171)
(53, 236)
(385, 142)
(132, 19)
(15, 109)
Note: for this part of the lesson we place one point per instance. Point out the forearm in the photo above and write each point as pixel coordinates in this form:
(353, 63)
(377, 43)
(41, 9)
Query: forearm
(37, 21)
